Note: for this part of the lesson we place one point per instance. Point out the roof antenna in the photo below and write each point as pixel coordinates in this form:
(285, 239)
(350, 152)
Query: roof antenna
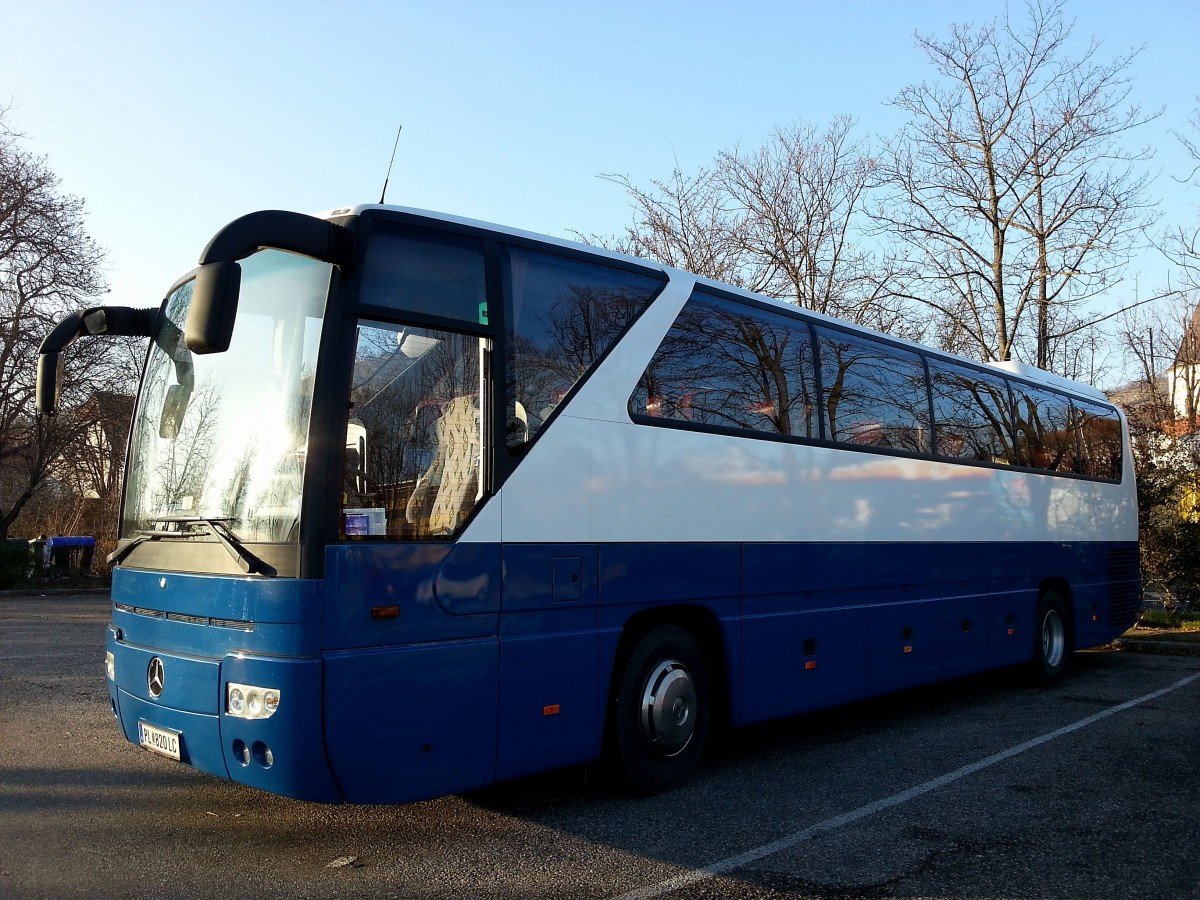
(389, 171)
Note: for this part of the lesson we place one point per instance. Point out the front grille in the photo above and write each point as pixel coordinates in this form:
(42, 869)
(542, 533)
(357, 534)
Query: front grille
(183, 617)
(232, 623)
(1124, 588)
(239, 624)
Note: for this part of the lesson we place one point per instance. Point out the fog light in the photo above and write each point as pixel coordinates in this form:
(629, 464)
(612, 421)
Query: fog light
(263, 755)
(248, 702)
(241, 752)
(110, 665)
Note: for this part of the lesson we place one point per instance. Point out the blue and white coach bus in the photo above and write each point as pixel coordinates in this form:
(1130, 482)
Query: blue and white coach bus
(414, 504)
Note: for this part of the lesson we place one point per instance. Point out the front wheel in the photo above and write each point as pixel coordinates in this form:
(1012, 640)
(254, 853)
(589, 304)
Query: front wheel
(1051, 639)
(660, 715)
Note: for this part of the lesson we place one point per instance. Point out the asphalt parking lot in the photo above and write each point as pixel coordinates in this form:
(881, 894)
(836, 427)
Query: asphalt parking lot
(984, 787)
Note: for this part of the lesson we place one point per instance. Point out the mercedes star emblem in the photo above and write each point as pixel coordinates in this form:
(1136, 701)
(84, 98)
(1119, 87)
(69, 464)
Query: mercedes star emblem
(155, 678)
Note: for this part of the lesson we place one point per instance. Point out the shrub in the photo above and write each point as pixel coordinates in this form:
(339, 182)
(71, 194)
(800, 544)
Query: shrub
(14, 562)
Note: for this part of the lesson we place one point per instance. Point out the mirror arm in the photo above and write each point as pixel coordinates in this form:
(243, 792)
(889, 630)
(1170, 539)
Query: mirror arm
(111, 321)
(280, 230)
(209, 326)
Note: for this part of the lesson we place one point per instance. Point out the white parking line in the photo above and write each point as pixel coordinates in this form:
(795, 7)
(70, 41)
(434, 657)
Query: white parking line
(797, 837)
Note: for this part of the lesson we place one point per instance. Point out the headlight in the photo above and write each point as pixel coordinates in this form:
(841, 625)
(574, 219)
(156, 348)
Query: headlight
(110, 665)
(248, 702)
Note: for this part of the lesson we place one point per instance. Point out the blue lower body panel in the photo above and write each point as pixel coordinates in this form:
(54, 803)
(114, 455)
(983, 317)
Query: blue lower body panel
(409, 723)
(801, 627)
(283, 754)
(415, 671)
(199, 735)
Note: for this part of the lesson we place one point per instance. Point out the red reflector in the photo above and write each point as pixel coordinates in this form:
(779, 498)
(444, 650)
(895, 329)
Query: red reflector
(1095, 618)
(1012, 631)
(811, 664)
(385, 612)
(550, 710)
(908, 648)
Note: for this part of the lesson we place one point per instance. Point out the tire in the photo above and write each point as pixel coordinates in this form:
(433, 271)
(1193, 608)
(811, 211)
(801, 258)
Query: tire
(660, 716)
(1052, 640)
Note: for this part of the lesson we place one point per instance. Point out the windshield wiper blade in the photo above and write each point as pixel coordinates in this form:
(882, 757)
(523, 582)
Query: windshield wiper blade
(246, 560)
(120, 553)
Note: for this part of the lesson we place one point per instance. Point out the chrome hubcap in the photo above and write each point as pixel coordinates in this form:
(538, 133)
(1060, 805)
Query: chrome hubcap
(668, 705)
(1054, 638)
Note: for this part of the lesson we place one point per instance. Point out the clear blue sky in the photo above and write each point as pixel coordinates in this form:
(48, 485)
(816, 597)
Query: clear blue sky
(171, 118)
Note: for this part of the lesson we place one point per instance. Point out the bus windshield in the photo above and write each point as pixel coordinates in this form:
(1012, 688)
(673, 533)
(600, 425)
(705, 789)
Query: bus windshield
(224, 435)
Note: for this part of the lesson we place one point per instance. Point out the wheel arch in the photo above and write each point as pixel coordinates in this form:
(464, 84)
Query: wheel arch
(702, 624)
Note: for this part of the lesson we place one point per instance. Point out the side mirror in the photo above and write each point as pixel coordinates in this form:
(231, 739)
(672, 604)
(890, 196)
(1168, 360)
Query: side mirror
(213, 311)
(47, 381)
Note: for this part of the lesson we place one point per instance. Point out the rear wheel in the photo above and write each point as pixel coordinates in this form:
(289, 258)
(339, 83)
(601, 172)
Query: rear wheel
(660, 716)
(1051, 639)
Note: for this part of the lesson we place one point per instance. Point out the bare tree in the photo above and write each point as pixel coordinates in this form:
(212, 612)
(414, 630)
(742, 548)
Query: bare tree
(48, 266)
(781, 220)
(1089, 207)
(1007, 190)
(686, 222)
(1181, 243)
(1162, 344)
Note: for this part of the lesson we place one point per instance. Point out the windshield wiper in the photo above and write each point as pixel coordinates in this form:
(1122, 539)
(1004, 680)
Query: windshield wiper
(120, 553)
(247, 561)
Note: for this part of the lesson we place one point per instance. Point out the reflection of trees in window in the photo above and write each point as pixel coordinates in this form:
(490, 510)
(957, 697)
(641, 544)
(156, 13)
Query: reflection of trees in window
(743, 370)
(1045, 435)
(874, 394)
(142, 493)
(184, 461)
(405, 383)
(971, 415)
(233, 496)
(564, 316)
(1099, 431)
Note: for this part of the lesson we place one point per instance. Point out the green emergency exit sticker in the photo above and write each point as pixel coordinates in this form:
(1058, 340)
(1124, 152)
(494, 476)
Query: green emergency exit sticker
(483, 319)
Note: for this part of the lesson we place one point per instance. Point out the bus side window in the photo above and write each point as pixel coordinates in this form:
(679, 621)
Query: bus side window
(972, 414)
(1099, 432)
(873, 393)
(564, 314)
(732, 367)
(1045, 435)
(414, 454)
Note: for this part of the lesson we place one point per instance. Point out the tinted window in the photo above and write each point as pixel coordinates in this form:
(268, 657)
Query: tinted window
(972, 418)
(732, 367)
(1099, 440)
(1045, 432)
(564, 314)
(425, 271)
(873, 394)
(416, 437)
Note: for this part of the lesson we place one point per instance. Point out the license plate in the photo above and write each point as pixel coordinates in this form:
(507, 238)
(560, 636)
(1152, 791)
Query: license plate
(159, 741)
